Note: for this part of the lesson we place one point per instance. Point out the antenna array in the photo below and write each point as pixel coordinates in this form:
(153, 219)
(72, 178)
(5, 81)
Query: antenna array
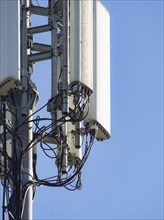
(75, 106)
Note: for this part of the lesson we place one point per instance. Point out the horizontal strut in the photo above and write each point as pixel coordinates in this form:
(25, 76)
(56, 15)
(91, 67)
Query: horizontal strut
(39, 137)
(41, 47)
(37, 10)
(47, 138)
(39, 57)
(39, 29)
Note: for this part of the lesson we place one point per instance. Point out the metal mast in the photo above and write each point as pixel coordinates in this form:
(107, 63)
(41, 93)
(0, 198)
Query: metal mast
(26, 130)
(22, 101)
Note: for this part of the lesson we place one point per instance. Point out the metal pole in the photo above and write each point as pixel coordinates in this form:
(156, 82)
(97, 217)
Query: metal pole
(26, 130)
(54, 75)
(65, 82)
(24, 74)
(25, 133)
(65, 54)
(54, 55)
(5, 164)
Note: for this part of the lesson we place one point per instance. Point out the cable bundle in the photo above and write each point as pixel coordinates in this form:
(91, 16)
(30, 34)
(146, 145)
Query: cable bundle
(14, 193)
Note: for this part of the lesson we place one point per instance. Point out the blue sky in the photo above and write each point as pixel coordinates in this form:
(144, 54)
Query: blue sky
(123, 177)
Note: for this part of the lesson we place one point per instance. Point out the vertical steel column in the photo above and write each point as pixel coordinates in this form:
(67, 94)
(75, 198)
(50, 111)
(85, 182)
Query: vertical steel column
(24, 74)
(26, 130)
(65, 81)
(54, 77)
(65, 54)
(5, 163)
(54, 56)
(25, 134)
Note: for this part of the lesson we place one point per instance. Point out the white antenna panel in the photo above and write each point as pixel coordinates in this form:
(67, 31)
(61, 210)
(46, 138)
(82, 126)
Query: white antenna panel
(100, 99)
(9, 45)
(81, 42)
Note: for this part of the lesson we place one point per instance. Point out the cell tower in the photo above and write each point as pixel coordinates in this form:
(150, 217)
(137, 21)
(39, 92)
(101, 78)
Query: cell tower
(79, 105)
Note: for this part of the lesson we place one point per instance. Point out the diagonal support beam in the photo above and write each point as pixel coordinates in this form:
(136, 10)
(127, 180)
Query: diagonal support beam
(58, 6)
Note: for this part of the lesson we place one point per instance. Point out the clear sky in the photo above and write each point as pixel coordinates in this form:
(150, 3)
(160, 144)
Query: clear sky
(123, 177)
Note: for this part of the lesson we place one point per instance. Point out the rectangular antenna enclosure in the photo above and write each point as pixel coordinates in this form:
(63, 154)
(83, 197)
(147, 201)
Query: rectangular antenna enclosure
(74, 144)
(100, 99)
(9, 45)
(74, 140)
(81, 43)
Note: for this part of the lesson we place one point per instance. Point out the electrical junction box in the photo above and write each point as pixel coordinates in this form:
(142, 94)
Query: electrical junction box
(99, 114)
(74, 153)
(9, 45)
(74, 140)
